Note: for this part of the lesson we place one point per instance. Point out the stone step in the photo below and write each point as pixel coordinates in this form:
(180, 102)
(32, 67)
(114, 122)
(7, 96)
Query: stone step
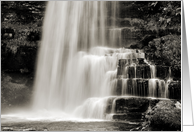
(132, 117)
(135, 87)
(127, 104)
(130, 104)
(126, 69)
(136, 59)
(148, 88)
(130, 108)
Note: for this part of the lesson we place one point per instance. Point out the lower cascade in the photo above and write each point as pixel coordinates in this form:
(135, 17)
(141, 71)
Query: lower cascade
(85, 74)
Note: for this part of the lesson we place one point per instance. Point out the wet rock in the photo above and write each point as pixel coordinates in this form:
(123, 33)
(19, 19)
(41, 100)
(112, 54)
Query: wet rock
(134, 61)
(109, 105)
(122, 62)
(142, 87)
(153, 102)
(118, 89)
(176, 73)
(175, 90)
(139, 87)
(133, 116)
(125, 23)
(127, 105)
(142, 71)
(131, 72)
(139, 71)
(147, 73)
(122, 65)
(130, 86)
(166, 117)
(140, 61)
(162, 71)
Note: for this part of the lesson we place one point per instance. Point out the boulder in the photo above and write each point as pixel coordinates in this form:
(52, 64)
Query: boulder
(166, 116)
(131, 104)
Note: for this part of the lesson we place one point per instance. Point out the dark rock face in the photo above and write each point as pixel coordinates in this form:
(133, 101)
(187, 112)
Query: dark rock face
(131, 72)
(176, 74)
(132, 117)
(141, 61)
(141, 70)
(129, 108)
(153, 112)
(142, 88)
(127, 105)
(162, 71)
(109, 105)
(138, 75)
(175, 90)
(147, 73)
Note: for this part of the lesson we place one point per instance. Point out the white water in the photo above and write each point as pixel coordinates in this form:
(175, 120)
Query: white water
(124, 87)
(76, 70)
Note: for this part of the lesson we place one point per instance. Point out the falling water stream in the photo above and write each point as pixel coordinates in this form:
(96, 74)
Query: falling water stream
(77, 61)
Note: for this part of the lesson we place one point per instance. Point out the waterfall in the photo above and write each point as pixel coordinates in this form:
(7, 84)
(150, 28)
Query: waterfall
(78, 59)
(124, 87)
(74, 66)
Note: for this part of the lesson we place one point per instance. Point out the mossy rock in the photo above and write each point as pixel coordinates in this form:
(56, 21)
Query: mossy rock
(165, 116)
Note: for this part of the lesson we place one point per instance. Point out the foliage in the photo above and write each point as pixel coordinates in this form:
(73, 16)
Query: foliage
(22, 11)
(165, 51)
(153, 14)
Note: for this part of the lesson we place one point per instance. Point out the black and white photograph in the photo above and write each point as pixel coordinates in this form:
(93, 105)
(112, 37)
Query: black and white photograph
(91, 66)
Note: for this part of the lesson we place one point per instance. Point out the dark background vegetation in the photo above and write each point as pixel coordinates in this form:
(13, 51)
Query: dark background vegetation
(21, 27)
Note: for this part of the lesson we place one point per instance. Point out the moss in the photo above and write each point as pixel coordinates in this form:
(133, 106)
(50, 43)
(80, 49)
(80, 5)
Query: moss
(165, 116)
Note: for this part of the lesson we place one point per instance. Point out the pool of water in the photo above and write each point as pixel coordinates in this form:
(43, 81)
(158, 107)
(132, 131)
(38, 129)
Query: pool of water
(18, 125)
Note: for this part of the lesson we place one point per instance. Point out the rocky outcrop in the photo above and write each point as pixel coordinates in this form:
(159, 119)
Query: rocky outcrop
(152, 112)
(165, 116)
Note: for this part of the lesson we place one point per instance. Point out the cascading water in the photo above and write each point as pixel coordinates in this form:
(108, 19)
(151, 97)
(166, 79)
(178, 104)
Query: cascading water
(124, 86)
(72, 68)
(77, 72)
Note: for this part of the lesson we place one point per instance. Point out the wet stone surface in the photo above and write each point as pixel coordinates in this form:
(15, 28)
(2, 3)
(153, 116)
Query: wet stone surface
(127, 105)
(69, 126)
(175, 90)
(162, 71)
(132, 117)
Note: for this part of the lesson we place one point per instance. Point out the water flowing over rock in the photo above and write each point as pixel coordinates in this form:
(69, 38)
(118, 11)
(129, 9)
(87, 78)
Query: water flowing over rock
(82, 71)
